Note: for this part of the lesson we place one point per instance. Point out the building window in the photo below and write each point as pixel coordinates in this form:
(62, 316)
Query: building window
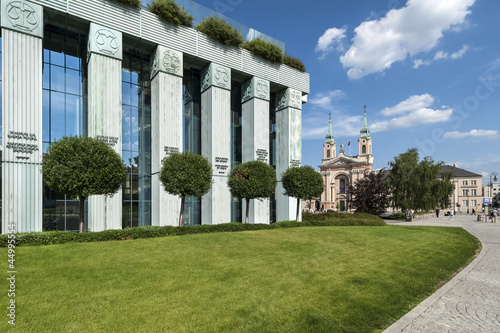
(192, 136)
(465, 192)
(464, 182)
(473, 203)
(328, 154)
(236, 158)
(64, 68)
(272, 153)
(342, 186)
(464, 203)
(363, 149)
(473, 182)
(473, 192)
(136, 139)
(1, 129)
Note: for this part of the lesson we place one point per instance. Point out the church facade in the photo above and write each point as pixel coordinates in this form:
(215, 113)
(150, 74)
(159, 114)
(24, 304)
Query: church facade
(340, 171)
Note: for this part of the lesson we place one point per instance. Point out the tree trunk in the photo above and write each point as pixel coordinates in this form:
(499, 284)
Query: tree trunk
(82, 213)
(181, 214)
(248, 208)
(298, 210)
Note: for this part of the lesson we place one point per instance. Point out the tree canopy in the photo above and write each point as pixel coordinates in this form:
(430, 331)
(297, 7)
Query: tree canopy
(370, 194)
(419, 185)
(185, 174)
(302, 183)
(83, 166)
(252, 180)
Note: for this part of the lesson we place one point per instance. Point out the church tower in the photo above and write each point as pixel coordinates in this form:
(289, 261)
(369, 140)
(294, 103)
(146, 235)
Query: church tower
(329, 147)
(365, 141)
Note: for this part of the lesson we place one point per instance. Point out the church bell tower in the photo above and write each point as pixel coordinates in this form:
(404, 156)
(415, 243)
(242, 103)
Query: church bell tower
(365, 141)
(329, 147)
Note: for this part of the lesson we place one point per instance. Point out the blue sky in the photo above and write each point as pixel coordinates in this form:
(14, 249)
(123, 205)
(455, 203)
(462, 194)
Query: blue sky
(428, 71)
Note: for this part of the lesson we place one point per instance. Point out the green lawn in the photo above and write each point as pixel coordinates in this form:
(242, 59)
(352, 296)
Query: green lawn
(310, 279)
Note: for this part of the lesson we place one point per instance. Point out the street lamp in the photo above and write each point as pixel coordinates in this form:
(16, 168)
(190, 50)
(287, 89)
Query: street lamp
(493, 175)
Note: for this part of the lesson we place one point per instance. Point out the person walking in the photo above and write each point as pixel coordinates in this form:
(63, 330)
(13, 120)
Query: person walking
(495, 214)
(450, 214)
(437, 212)
(473, 211)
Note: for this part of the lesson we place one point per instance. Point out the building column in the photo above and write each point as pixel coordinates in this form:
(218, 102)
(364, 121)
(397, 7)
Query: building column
(166, 129)
(22, 205)
(216, 141)
(288, 147)
(105, 115)
(255, 137)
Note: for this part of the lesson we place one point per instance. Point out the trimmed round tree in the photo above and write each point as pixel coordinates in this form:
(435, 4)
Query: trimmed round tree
(83, 166)
(186, 174)
(302, 183)
(252, 180)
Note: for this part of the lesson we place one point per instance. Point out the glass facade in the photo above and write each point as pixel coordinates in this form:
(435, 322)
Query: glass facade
(64, 113)
(236, 204)
(64, 70)
(191, 124)
(272, 151)
(136, 139)
(1, 143)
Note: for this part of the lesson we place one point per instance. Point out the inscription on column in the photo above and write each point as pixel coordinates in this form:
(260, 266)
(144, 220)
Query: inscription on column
(261, 155)
(169, 150)
(22, 148)
(221, 165)
(295, 163)
(110, 140)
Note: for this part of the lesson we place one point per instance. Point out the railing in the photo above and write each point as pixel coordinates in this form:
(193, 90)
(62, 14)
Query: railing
(200, 12)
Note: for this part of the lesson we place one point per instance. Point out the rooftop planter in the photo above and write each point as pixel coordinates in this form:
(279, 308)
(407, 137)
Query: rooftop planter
(264, 49)
(218, 29)
(294, 63)
(170, 11)
(132, 3)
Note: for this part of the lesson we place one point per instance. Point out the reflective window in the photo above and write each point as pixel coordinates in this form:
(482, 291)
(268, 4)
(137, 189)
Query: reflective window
(64, 54)
(0, 131)
(192, 136)
(272, 150)
(136, 139)
(236, 158)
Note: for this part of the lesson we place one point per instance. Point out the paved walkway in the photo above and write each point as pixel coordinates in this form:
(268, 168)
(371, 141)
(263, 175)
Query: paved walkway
(470, 302)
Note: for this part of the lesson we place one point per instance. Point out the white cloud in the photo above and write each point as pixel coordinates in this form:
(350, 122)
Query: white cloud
(412, 112)
(315, 125)
(331, 40)
(471, 134)
(460, 53)
(325, 100)
(412, 103)
(419, 62)
(411, 30)
(442, 55)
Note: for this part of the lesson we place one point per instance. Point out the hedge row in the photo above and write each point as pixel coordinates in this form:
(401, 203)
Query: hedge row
(60, 237)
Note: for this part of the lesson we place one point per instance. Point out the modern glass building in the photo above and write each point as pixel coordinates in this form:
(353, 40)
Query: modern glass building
(148, 88)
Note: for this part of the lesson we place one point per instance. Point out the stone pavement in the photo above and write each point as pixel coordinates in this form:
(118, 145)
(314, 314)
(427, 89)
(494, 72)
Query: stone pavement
(470, 302)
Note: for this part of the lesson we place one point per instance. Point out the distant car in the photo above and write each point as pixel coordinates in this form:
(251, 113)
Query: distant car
(330, 210)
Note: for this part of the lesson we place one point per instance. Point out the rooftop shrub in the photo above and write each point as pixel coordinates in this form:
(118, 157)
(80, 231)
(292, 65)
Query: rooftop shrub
(133, 3)
(218, 29)
(170, 11)
(294, 63)
(264, 49)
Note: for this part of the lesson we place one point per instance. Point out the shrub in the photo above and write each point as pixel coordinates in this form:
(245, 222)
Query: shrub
(294, 63)
(170, 11)
(218, 29)
(133, 3)
(346, 219)
(61, 237)
(264, 49)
